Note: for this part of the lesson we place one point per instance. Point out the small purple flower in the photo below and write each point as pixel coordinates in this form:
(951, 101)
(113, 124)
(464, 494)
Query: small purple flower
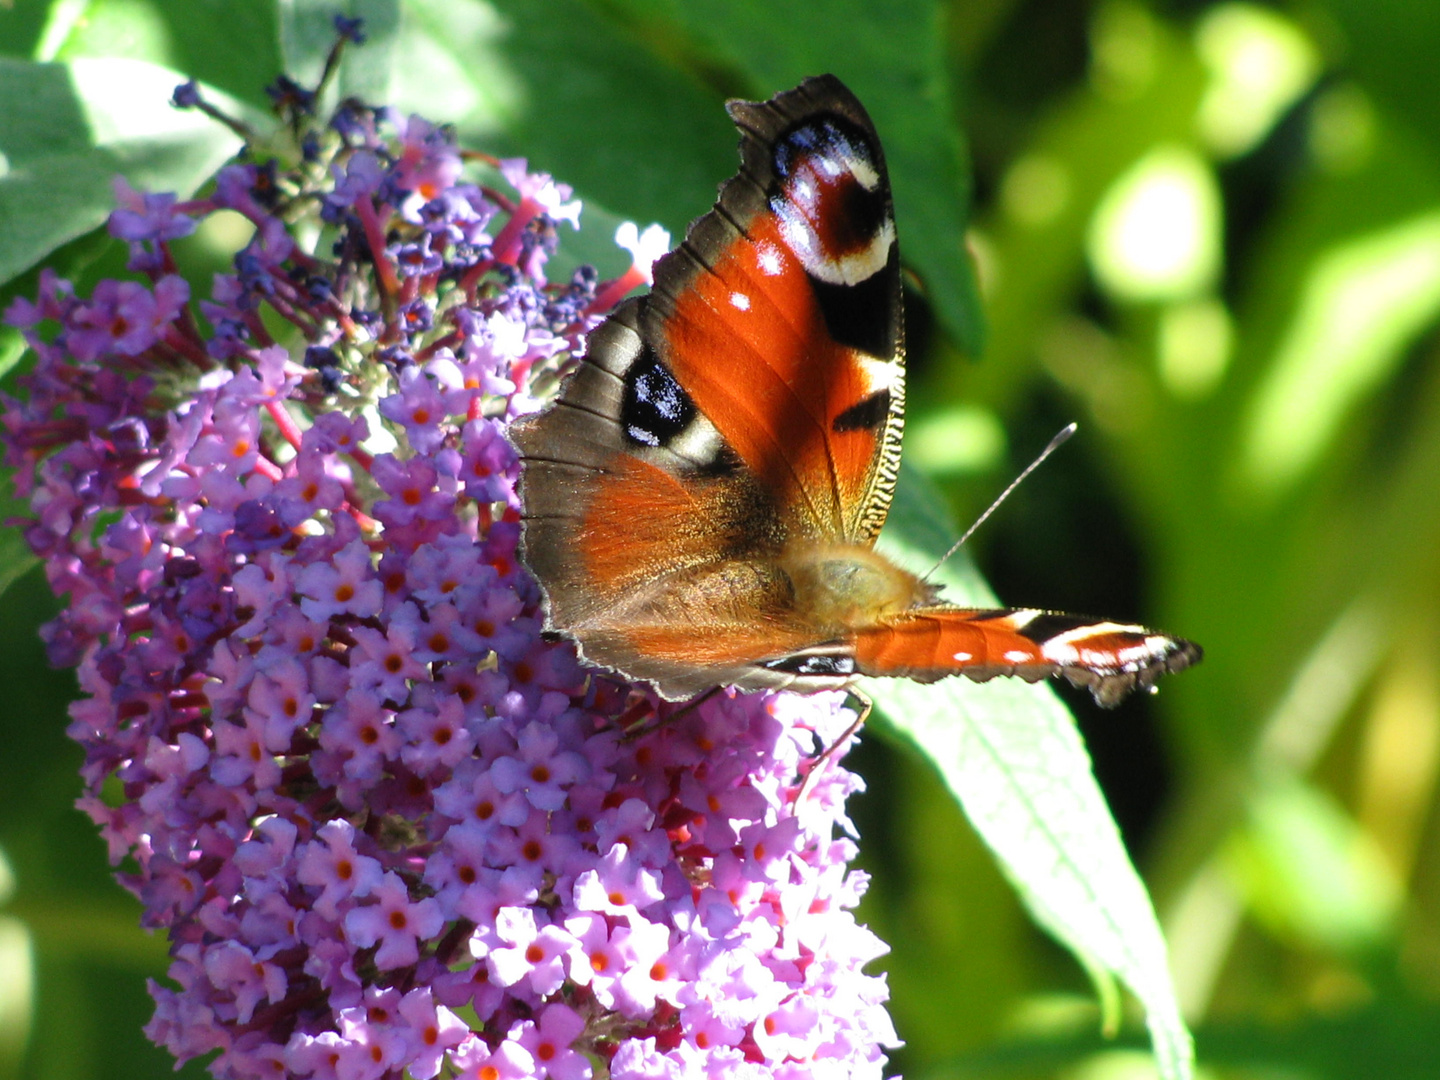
(471, 794)
(384, 663)
(541, 770)
(149, 217)
(362, 177)
(331, 863)
(533, 953)
(420, 409)
(124, 317)
(620, 886)
(508, 1061)
(415, 259)
(186, 95)
(236, 971)
(549, 1038)
(344, 585)
(395, 922)
(245, 753)
(554, 199)
(435, 1031)
(359, 738)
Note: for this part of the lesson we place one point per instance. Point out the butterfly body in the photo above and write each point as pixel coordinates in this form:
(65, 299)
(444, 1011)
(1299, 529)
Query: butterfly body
(703, 498)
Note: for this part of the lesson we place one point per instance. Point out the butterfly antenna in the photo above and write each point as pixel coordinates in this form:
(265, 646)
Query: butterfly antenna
(1054, 444)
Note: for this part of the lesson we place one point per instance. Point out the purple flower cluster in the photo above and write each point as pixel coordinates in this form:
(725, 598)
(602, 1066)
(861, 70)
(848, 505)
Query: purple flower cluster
(387, 825)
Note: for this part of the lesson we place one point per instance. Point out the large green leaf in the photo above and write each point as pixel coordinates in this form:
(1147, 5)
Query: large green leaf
(1390, 45)
(67, 130)
(594, 104)
(1010, 754)
(237, 53)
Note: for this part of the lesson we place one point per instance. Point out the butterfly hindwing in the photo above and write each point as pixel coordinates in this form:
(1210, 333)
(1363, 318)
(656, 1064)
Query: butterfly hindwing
(611, 508)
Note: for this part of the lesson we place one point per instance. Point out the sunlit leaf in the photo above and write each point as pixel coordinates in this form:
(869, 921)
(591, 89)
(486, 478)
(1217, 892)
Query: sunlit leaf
(596, 106)
(67, 130)
(1362, 304)
(1156, 234)
(1260, 63)
(1012, 757)
(452, 66)
(1309, 871)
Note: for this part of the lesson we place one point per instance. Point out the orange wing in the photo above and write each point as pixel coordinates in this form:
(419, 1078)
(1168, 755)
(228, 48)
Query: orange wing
(780, 315)
(1111, 659)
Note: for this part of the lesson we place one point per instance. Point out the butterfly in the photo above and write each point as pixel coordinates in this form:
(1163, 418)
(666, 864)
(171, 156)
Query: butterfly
(702, 499)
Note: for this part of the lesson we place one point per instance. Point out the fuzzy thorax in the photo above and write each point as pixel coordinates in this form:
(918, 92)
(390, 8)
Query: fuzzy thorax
(844, 586)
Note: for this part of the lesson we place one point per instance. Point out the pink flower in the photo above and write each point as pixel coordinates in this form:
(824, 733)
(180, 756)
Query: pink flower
(534, 954)
(435, 1031)
(234, 969)
(344, 585)
(549, 1040)
(395, 922)
(124, 317)
(540, 769)
(331, 863)
(621, 885)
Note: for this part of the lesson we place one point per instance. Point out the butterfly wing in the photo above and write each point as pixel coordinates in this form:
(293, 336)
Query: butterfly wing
(1110, 659)
(755, 395)
(780, 315)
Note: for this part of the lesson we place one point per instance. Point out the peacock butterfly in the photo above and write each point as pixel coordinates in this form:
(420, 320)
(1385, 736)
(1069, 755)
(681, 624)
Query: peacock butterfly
(703, 497)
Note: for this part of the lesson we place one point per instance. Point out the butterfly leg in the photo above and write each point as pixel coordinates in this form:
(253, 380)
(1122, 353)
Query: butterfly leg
(643, 716)
(693, 704)
(863, 707)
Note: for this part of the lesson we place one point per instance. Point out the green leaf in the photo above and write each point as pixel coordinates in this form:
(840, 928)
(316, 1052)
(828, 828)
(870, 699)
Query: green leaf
(624, 101)
(237, 53)
(66, 130)
(1310, 871)
(452, 66)
(1389, 1033)
(1010, 754)
(1390, 46)
(26, 26)
(597, 107)
(15, 556)
(1363, 305)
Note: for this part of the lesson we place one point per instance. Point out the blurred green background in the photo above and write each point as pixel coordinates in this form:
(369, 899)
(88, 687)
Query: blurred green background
(1209, 232)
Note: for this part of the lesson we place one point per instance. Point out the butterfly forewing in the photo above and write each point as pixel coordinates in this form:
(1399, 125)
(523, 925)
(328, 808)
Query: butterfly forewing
(781, 312)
